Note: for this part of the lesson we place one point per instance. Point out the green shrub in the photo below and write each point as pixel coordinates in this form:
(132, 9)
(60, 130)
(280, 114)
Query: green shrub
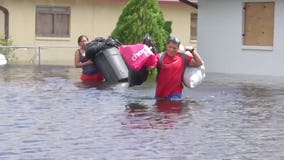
(140, 17)
(168, 26)
(7, 52)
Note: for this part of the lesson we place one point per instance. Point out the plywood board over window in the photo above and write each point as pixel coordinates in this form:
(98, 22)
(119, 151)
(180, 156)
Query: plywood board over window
(259, 23)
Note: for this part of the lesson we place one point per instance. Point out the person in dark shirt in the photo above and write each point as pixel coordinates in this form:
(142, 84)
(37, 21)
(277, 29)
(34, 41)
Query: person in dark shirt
(89, 70)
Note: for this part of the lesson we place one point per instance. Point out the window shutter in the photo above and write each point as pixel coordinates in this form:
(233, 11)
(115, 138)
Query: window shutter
(193, 26)
(44, 24)
(61, 25)
(53, 21)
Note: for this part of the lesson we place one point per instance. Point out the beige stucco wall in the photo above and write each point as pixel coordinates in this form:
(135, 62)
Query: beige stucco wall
(106, 14)
(22, 29)
(93, 18)
(180, 17)
(22, 22)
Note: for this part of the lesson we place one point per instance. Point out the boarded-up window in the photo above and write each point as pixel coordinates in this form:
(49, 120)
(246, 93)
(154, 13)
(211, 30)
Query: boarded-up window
(193, 26)
(52, 21)
(259, 23)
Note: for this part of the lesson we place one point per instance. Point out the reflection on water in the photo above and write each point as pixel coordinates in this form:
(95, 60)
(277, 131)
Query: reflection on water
(47, 113)
(162, 115)
(31, 73)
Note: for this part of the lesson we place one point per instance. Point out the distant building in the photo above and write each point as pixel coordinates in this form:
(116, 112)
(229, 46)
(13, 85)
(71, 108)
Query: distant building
(60, 22)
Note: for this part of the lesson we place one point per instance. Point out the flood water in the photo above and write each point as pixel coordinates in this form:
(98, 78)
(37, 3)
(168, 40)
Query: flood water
(46, 113)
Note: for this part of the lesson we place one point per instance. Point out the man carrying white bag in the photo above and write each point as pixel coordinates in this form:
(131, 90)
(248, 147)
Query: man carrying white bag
(193, 76)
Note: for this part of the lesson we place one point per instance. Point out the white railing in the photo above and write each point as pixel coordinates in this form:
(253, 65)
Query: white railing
(38, 51)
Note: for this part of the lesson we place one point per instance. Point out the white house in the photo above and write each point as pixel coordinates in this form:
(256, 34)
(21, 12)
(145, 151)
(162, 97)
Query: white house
(242, 36)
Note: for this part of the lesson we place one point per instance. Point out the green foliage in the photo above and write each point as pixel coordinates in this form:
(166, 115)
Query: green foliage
(168, 26)
(138, 18)
(152, 77)
(7, 52)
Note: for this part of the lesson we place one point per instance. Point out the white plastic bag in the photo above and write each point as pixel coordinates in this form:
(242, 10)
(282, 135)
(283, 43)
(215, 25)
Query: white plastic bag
(193, 76)
(3, 59)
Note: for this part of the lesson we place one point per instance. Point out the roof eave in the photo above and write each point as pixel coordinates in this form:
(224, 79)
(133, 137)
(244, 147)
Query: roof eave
(188, 2)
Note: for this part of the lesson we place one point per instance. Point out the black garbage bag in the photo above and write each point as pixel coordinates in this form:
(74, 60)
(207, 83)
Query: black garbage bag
(105, 55)
(99, 44)
(109, 42)
(94, 47)
(137, 77)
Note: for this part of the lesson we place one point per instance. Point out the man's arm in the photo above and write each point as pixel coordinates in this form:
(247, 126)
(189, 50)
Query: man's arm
(196, 58)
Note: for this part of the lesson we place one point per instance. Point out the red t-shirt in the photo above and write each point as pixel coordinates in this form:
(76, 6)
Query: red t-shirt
(169, 80)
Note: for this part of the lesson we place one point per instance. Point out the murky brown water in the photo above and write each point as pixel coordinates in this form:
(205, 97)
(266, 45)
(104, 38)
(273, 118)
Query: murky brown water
(47, 113)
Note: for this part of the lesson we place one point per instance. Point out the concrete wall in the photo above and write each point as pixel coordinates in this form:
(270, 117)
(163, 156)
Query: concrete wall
(220, 40)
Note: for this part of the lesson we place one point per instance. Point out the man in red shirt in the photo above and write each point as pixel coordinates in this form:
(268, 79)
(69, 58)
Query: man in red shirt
(171, 69)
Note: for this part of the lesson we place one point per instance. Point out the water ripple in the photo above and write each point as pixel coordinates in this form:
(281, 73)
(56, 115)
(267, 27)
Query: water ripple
(46, 113)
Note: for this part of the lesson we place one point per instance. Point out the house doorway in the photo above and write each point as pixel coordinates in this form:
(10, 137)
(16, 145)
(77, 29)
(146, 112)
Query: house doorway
(4, 19)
